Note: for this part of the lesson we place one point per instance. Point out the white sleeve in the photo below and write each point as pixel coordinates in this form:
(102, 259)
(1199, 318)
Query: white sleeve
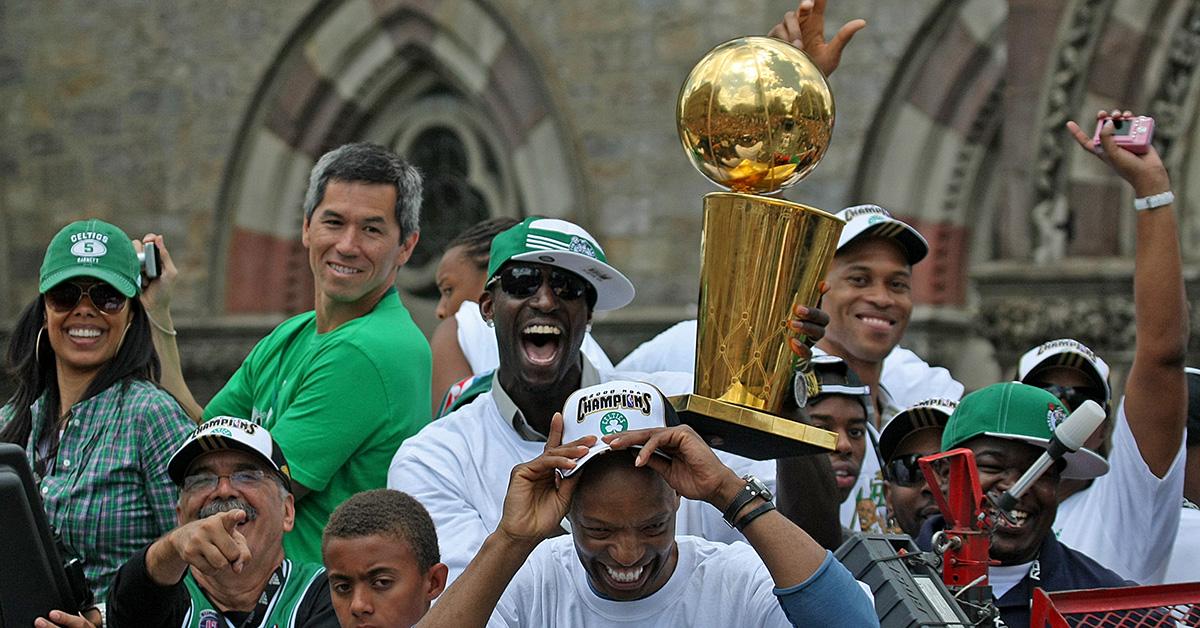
(595, 353)
(910, 379)
(427, 468)
(1127, 520)
(476, 339)
(672, 350)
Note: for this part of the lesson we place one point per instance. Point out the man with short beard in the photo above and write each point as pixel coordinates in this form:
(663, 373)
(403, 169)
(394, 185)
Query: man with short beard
(224, 563)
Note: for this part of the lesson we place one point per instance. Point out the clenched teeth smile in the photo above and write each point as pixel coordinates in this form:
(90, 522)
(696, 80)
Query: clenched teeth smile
(83, 333)
(345, 270)
(1015, 519)
(625, 576)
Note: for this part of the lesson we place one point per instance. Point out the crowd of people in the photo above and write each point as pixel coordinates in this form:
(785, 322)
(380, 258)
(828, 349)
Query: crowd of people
(507, 473)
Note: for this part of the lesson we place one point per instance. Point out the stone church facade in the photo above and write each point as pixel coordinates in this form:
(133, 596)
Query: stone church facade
(200, 120)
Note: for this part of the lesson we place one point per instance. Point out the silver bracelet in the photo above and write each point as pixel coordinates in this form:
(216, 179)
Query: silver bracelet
(169, 332)
(1154, 201)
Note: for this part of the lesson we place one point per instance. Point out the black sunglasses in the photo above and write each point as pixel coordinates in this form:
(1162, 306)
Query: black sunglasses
(1074, 396)
(522, 282)
(905, 471)
(65, 296)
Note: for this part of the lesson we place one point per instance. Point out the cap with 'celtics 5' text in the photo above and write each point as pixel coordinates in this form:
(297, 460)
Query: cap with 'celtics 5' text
(92, 248)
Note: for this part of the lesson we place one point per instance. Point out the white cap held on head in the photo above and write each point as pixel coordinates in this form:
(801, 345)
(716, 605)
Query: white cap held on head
(618, 406)
(873, 220)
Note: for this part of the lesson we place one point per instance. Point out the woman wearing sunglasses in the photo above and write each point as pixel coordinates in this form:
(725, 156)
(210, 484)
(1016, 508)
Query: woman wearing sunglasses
(95, 426)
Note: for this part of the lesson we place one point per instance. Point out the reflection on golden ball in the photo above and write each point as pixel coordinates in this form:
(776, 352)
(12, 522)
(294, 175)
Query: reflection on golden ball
(755, 115)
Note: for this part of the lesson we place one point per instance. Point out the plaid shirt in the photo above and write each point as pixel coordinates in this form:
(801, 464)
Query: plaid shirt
(107, 490)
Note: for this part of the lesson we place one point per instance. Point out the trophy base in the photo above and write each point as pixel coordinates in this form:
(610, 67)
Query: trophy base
(750, 433)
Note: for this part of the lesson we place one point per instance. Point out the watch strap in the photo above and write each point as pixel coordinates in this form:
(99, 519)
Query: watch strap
(1154, 201)
(754, 514)
(748, 492)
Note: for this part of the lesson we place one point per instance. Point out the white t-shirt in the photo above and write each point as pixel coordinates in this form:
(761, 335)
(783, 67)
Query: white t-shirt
(458, 468)
(478, 342)
(1184, 564)
(1128, 518)
(714, 584)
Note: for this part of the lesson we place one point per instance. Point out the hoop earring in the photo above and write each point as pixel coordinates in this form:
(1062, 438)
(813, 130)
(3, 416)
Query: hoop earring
(123, 334)
(37, 346)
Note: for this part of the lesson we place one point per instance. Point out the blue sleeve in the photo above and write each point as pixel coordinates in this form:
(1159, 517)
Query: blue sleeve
(830, 597)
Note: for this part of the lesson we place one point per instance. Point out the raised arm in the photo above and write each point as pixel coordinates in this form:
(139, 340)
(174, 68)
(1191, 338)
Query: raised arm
(156, 298)
(534, 508)
(804, 28)
(1156, 391)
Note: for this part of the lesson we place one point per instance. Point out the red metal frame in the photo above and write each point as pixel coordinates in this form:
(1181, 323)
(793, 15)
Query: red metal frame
(968, 522)
(1049, 609)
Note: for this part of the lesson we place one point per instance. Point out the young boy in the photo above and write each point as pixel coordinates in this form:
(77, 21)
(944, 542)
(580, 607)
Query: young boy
(381, 552)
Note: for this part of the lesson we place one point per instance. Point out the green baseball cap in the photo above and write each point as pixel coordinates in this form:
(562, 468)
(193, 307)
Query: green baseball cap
(566, 245)
(92, 248)
(1019, 412)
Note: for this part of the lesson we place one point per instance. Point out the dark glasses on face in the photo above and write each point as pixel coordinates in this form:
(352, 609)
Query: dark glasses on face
(905, 471)
(1074, 396)
(522, 282)
(65, 296)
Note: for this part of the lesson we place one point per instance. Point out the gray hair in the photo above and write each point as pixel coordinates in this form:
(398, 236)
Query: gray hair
(368, 163)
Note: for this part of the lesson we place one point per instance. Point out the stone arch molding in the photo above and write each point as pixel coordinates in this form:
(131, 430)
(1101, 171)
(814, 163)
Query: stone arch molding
(932, 148)
(394, 72)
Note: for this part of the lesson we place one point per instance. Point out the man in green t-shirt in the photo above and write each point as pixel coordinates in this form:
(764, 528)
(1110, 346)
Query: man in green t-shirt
(342, 386)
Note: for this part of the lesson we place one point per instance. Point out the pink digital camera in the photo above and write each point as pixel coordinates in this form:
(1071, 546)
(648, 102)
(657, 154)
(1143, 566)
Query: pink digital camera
(1132, 134)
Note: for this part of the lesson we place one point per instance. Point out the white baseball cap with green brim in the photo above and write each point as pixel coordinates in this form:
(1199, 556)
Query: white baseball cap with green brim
(564, 245)
(872, 220)
(618, 406)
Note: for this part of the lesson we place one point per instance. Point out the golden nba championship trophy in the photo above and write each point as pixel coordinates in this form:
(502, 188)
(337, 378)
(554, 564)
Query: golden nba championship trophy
(755, 116)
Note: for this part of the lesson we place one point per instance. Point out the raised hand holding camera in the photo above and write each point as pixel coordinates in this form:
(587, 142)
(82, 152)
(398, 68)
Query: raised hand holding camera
(1145, 171)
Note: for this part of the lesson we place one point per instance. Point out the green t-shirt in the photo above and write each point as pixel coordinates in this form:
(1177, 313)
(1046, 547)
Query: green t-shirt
(339, 404)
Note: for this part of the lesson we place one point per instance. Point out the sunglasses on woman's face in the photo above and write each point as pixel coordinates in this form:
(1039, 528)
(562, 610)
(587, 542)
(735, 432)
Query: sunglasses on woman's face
(65, 296)
(522, 282)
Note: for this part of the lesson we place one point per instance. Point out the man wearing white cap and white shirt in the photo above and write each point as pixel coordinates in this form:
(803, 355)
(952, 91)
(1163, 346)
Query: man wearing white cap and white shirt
(1127, 519)
(623, 563)
(545, 277)
(1144, 487)
(224, 564)
(869, 302)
